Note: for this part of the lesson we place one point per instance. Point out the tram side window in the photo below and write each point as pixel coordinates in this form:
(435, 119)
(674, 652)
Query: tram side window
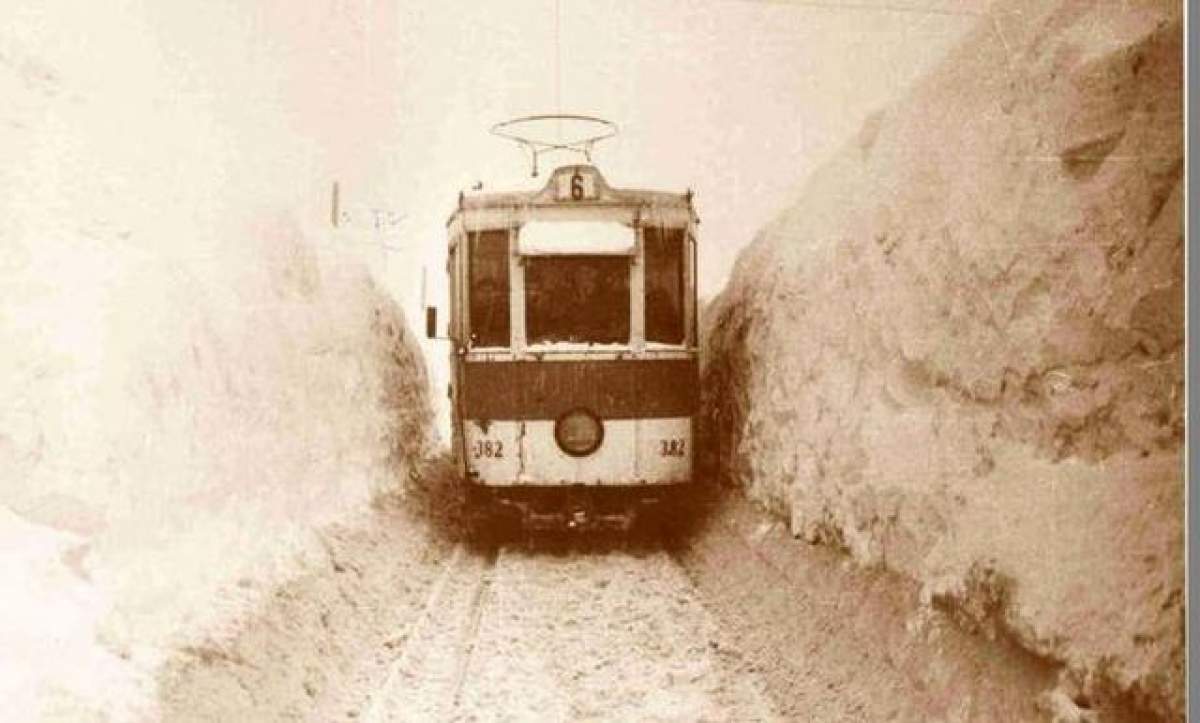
(488, 288)
(664, 284)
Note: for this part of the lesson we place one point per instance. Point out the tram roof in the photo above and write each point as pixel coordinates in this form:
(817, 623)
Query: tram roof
(556, 194)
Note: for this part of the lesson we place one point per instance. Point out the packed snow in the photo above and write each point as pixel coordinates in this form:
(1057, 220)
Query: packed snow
(197, 371)
(958, 353)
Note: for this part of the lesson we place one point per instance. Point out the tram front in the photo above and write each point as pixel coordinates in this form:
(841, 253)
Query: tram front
(573, 320)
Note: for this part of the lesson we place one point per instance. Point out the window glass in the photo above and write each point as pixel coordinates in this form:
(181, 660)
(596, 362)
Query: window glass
(582, 299)
(664, 284)
(488, 291)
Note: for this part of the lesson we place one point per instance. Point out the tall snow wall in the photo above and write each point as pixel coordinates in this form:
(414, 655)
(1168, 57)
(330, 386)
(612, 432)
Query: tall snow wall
(197, 371)
(958, 353)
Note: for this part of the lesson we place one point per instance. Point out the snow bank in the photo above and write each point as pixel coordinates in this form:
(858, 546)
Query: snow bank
(959, 353)
(196, 372)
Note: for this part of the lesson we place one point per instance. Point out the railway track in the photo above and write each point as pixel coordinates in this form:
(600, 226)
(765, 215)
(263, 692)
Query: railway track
(565, 633)
(425, 681)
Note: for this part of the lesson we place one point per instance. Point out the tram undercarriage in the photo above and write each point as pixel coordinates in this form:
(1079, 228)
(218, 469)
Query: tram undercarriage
(573, 508)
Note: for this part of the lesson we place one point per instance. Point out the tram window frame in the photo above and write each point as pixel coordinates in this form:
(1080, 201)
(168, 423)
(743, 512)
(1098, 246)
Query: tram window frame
(488, 313)
(658, 328)
(452, 282)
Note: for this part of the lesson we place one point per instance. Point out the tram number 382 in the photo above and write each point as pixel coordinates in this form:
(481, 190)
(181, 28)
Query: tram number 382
(494, 448)
(672, 447)
(488, 449)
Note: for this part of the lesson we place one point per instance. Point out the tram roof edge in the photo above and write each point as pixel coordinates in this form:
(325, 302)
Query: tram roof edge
(551, 195)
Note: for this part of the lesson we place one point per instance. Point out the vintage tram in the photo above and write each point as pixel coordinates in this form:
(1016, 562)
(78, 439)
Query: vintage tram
(573, 328)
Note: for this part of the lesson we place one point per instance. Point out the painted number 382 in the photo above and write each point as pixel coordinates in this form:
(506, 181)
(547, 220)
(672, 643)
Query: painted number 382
(671, 447)
(489, 448)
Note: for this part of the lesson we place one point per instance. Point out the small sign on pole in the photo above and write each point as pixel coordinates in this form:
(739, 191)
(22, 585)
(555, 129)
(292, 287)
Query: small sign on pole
(333, 206)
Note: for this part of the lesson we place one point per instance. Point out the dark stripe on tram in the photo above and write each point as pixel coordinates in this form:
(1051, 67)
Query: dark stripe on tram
(612, 389)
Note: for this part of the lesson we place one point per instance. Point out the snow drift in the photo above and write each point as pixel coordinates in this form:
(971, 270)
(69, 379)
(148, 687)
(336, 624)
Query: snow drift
(959, 353)
(196, 372)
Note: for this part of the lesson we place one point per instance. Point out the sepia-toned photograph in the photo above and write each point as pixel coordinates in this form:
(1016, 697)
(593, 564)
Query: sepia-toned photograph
(593, 360)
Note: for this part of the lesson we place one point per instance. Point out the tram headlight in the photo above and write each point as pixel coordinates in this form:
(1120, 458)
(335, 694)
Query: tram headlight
(578, 432)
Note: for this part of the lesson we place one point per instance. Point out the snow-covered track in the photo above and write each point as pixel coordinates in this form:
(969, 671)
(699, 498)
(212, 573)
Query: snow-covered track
(426, 679)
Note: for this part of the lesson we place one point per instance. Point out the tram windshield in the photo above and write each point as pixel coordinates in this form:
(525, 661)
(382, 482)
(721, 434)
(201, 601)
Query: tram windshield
(578, 299)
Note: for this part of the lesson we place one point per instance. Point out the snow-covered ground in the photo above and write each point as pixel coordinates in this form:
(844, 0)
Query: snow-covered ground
(958, 354)
(399, 623)
(969, 325)
(197, 371)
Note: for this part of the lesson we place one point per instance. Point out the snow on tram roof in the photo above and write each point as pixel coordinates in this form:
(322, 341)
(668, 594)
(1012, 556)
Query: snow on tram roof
(544, 238)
